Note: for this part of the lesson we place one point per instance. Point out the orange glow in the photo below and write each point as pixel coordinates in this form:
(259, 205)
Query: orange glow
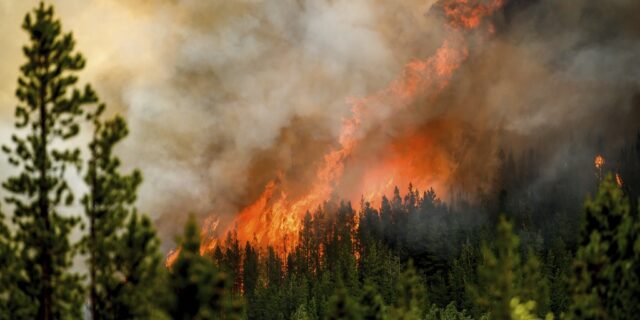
(413, 158)
(172, 257)
(275, 219)
(599, 162)
(468, 14)
(619, 180)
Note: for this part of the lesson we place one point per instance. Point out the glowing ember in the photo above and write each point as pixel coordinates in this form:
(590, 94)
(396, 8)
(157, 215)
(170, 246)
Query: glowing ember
(599, 162)
(619, 180)
(468, 14)
(172, 257)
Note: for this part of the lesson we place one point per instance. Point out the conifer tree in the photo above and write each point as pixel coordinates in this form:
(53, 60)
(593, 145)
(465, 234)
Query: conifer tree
(410, 296)
(372, 305)
(138, 285)
(497, 275)
(13, 302)
(200, 291)
(342, 306)
(606, 282)
(123, 255)
(535, 285)
(46, 117)
(250, 270)
(461, 274)
(448, 313)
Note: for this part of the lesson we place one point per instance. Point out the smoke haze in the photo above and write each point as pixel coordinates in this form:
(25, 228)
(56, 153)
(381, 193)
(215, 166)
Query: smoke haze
(223, 96)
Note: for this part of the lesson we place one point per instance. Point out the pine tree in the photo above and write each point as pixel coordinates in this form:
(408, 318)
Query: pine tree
(535, 285)
(448, 313)
(461, 274)
(250, 270)
(117, 272)
(13, 303)
(46, 117)
(200, 290)
(606, 282)
(139, 276)
(558, 268)
(371, 303)
(342, 306)
(497, 274)
(410, 296)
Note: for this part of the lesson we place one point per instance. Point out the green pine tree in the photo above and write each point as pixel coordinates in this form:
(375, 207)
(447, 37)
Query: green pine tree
(535, 285)
(410, 296)
(372, 304)
(46, 116)
(123, 257)
(342, 306)
(448, 313)
(605, 283)
(137, 286)
(13, 302)
(250, 270)
(497, 275)
(200, 291)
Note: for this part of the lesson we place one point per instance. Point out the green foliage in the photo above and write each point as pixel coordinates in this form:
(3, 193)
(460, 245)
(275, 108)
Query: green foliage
(137, 278)
(558, 269)
(46, 116)
(124, 262)
(605, 281)
(372, 304)
(448, 313)
(522, 311)
(346, 265)
(13, 301)
(462, 274)
(535, 285)
(199, 290)
(497, 274)
(342, 306)
(410, 296)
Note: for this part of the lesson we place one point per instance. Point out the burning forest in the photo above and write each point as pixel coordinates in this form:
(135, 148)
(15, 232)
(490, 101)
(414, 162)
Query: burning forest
(329, 159)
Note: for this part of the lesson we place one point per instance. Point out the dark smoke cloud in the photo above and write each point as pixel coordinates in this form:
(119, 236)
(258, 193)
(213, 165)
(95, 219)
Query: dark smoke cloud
(223, 95)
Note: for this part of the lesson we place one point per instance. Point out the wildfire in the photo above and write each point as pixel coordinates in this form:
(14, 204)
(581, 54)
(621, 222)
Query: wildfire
(171, 257)
(619, 181)
(275, 219)
(599, 162)
(468, 14)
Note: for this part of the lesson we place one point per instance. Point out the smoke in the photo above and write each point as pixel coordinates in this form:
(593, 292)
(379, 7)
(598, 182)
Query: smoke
(224, 96)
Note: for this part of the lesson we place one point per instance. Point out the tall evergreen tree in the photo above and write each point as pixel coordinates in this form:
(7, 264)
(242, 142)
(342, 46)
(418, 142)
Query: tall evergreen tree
(371, 303)
(122, 248)
(607, 265)
(139, 275)
(200, 291)
(46, 117)
(410, 296)
(250, 270)
(342, 306)
(535, 285)
(497, 275)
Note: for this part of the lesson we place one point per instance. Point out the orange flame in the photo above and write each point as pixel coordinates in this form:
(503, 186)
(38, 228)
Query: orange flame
(275, 219)
(599, 162)
(619, 181)
(172, 257)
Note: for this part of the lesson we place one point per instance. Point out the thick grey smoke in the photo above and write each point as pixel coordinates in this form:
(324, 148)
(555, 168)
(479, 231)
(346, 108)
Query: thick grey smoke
(222, 95)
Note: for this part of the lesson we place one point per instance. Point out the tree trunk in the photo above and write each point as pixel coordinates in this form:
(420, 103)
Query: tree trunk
(46, 295)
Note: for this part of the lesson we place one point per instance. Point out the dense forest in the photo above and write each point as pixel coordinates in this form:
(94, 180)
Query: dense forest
(517, 252)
